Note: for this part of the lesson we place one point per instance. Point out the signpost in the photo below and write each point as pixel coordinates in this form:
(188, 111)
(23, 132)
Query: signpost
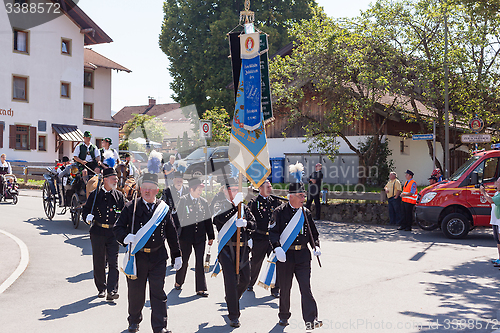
(206, 134)
(422, 137)
(475, 138)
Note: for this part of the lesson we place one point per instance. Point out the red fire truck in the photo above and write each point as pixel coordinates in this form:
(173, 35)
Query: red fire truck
(456, 205)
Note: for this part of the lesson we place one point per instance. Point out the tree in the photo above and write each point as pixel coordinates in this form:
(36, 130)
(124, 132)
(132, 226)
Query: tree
(141, 126)
(193, 37)
(185, 141)
(221, 129)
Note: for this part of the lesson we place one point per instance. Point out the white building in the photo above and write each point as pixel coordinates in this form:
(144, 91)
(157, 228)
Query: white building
(52, 88)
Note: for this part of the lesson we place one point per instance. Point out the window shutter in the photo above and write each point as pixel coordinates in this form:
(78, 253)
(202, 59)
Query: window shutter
(1, 135)
(12, 136)
(33, 140)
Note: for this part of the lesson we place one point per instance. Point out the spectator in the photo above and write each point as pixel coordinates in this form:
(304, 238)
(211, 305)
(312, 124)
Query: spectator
(314, 190)
(437, 173)
(393, 190)
(409, 198)
(495, 215)
(168, 171)
(433, 180)
(5, 168)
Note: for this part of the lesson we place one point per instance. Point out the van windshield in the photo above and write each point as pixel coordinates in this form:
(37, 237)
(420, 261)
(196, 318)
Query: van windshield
(464, 168)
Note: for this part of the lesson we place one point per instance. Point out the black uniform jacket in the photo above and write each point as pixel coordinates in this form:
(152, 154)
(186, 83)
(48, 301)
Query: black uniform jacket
(225, 210)
(171, 196)
(165, 230)
(315, 189)
(282, 216)
(107, 209)
(195, 220)
(262, 209)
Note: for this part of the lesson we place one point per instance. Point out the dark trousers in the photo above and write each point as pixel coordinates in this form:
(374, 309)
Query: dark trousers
(395, 214)
(150, 267)
(310, 199)
(408, 215)
(233, 289)
(199, 270)
(297, 263)
(261, 249)
(105, 248)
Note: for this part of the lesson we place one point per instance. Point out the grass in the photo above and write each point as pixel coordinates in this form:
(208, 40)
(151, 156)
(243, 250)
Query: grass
(31, 181)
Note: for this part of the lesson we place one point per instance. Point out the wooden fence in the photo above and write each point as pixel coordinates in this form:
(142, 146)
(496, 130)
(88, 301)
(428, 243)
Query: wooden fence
(30, 170)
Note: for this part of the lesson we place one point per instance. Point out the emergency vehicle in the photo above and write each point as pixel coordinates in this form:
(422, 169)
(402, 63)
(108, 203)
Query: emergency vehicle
(456, 205)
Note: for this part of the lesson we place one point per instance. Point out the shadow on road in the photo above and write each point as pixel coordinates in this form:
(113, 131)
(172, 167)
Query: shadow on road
(249, 300)
(80, 277)
(56, 227)
(78, 306)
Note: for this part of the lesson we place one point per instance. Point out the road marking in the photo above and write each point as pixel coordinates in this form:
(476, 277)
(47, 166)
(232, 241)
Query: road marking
(23, 263)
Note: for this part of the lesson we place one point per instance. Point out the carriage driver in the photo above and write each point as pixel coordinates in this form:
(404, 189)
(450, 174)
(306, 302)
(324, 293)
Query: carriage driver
(87, 154)
(107, 152)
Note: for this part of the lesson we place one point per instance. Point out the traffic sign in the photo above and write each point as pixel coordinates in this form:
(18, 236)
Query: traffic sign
(475, 138)
(422, 137)
(206, 129)
(476, 124)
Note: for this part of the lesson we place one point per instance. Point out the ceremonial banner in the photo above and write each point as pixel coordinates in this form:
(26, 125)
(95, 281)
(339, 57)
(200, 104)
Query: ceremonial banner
(268, 276)
(267, 106)
(250, 62)
(248, 149)
(224, 235)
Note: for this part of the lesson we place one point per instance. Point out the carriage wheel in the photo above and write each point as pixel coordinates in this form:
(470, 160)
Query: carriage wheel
(49, 201)
(75, 211)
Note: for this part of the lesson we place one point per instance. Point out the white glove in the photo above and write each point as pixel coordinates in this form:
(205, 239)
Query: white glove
(241, 223)
(317, 251)
(280, 254)
(238, 198)
(89, 218)
(129, 239)
(250, 243)
(178, 263)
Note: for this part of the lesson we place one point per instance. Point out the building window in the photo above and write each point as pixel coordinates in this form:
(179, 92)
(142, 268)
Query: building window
(20, 88)
(42, 143)
(2, 127)
(98, 143)
(21, 41)
(88, 79)
(88, 111)
(42, 126)
(66, 46)
(65, 89)
(22, 137)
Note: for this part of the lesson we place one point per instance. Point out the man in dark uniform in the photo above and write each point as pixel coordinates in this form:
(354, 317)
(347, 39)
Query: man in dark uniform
(196, 225)
(107, 208)
(87, 155)
(234, 286)
(151, 260)
(262, 208)
(314, 190)
(297, 259)
(171, 195)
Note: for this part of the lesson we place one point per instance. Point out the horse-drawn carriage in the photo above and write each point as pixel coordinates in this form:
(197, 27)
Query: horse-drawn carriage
(68, 190)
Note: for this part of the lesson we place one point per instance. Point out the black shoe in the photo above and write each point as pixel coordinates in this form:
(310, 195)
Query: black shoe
(177, 287)
(133, 328)
(112, 296)
(401, 228)
(250, 288)
(102, 294)
(407, 229)
(234, 323)
(202, 293)
(164, 330)
(275, 294)
(283, 322)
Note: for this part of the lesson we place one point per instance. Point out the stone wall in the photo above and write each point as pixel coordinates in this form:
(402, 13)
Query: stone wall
(368, 213)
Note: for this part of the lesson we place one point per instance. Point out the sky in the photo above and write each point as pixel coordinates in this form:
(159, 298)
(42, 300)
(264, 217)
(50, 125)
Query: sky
(135, 27)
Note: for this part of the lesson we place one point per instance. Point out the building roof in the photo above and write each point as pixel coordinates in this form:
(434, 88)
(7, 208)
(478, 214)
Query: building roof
(93, 33)
(68, 132)
(125, 114)
(94, 60)
(176, 123)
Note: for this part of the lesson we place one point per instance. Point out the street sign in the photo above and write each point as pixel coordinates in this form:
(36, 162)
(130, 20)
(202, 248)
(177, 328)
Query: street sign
(475, 138)
(476, 124)
(422, 137)
(206, 129)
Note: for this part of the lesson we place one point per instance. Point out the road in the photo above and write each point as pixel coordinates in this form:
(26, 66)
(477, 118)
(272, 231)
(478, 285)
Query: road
(373, 279)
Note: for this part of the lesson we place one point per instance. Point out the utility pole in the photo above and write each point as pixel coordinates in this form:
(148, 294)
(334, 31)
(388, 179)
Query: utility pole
(446, 99)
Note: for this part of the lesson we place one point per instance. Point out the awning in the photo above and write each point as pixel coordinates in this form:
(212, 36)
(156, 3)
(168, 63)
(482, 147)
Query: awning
(67, 133)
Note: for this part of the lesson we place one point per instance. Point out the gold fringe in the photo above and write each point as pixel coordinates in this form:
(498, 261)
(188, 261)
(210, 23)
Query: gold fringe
(131, 277)
(263, 285)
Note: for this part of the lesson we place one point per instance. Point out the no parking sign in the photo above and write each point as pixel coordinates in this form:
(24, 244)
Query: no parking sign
(206, 129)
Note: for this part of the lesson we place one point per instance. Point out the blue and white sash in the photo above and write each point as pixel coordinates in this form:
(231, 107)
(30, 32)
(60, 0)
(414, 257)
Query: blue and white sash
(268, 276)
(141, 238)
(225, 234)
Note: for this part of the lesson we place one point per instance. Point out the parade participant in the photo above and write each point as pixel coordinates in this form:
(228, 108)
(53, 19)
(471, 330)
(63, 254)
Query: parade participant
(144, 224)
(495, 215)
(226, 222)
(5, 168)
(87, 155)
(314, 190)
(196, 225)
(108, 153)
(262, 208)
(409, 198)
(393, 191)
(132, 169)
(102, 209)
(290, 233)
(168, 170)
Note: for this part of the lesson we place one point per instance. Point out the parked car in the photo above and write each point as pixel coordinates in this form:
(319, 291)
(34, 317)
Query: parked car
(195, 162)
(456, 205)
(139, 158)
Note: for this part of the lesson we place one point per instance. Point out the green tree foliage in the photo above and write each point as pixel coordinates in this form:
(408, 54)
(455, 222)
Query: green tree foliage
(383, 165)
(185, 141)
(221, 129)
(141, 126)
(193, 36)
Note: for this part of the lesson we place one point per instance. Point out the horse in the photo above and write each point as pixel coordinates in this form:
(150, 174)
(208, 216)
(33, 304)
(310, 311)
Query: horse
(126, 184)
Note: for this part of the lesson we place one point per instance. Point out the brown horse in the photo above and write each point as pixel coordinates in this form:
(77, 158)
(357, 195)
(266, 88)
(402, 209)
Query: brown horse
(126, 184)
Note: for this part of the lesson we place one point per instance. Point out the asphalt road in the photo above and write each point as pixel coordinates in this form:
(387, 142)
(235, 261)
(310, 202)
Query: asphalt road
(373, 279)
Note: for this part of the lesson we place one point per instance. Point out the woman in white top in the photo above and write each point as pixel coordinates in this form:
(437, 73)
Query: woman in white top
(495, 215)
